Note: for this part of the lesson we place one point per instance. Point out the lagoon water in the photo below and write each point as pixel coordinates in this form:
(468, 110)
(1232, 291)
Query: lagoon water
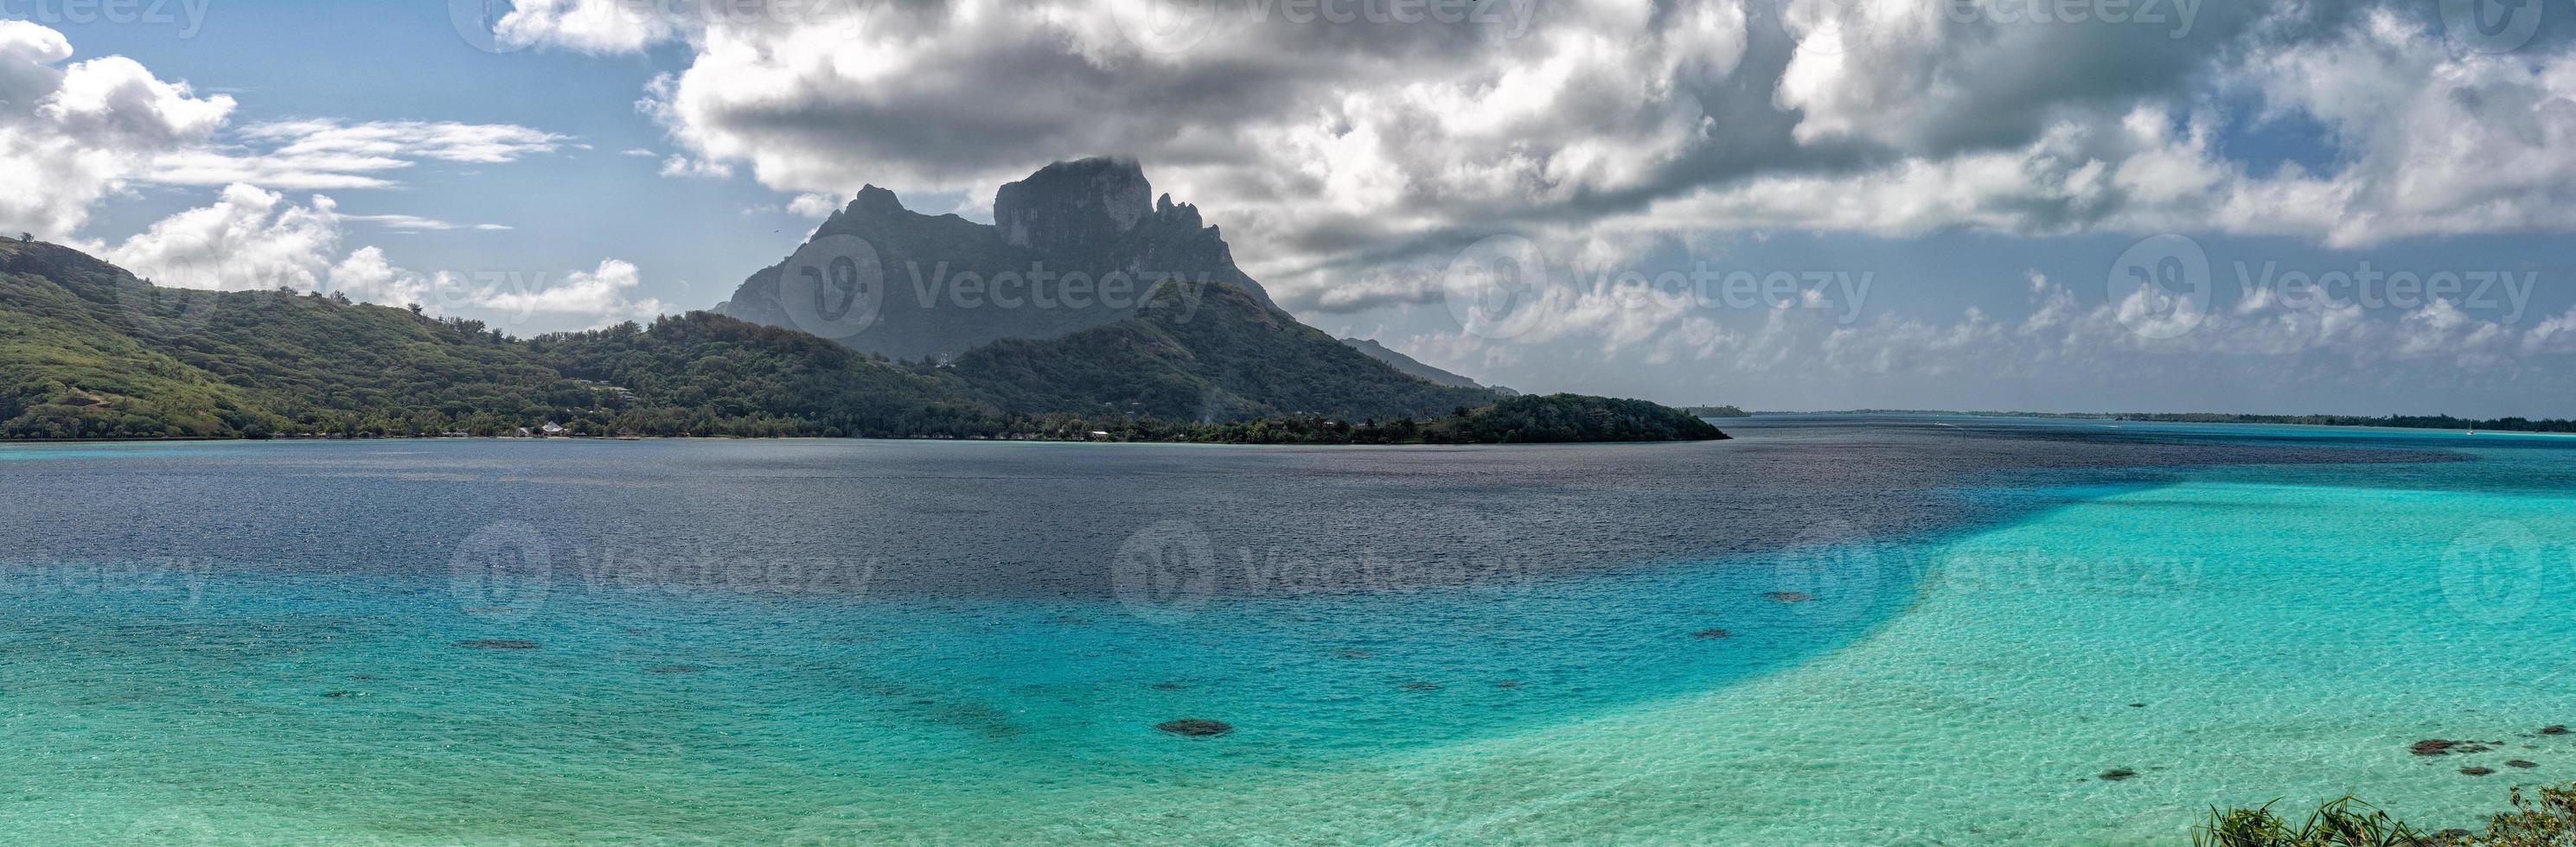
(1830, 631)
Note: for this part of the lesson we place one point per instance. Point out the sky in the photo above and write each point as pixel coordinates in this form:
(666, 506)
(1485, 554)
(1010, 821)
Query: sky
(2340, 206)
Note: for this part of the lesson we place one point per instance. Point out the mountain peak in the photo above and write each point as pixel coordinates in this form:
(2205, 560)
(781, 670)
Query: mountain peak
(1087, 201)
(876, 202)
(1058, 237)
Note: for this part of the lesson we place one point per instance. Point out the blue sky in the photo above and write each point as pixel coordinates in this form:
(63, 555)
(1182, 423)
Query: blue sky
(1988, 177)
(405, 61)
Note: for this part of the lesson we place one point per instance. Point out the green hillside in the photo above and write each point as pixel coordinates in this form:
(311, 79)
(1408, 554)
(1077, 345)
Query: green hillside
(1214, 354)
(89, 352)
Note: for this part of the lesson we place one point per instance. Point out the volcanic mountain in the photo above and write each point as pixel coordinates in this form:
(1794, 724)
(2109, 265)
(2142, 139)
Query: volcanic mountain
(1084, 295)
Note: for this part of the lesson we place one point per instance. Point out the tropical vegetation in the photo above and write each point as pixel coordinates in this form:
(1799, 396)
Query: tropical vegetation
(2548, 821)
(87, 351)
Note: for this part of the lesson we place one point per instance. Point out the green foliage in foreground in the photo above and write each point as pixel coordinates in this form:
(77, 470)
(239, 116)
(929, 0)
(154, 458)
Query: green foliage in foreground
(2547, 822)
(89, 352)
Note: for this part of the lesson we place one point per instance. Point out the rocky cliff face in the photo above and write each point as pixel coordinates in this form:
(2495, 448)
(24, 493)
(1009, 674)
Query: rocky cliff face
(1068, 205)
(1074, 246)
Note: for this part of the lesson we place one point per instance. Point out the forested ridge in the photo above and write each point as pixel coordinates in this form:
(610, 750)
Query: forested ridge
(89, 352)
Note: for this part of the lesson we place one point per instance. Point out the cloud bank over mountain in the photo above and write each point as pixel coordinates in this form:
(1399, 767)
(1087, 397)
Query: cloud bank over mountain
(1354, 150)
(1336, 141)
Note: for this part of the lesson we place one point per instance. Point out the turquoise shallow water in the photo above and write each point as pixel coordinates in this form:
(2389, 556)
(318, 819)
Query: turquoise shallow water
(2290, 623)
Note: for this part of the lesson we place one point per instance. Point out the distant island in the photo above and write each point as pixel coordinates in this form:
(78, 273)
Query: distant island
(88, 351)
(2391, 421)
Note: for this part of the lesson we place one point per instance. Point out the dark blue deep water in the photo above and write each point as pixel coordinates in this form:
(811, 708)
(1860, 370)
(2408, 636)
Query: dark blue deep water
(849, 641)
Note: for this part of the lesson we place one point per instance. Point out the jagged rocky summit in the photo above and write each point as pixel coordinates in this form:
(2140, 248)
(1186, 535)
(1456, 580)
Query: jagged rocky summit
(1076, 245)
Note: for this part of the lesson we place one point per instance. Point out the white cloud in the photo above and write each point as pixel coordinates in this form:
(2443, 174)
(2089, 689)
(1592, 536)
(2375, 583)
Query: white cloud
(598, 297)
(2441, 141)
(1297, 130)
(250, 239)
(446, 141)
(330, 155)
(366, 276)
(2265, 352)
(591, 26)
(416, 223)
(606, 295)
(815, 206)
(71, 135)
(213, 166)
(704, 168)
(1332, 150)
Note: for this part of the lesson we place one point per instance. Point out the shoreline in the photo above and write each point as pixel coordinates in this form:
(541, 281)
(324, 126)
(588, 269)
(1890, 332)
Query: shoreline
(76, 442)
(2119, 422)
